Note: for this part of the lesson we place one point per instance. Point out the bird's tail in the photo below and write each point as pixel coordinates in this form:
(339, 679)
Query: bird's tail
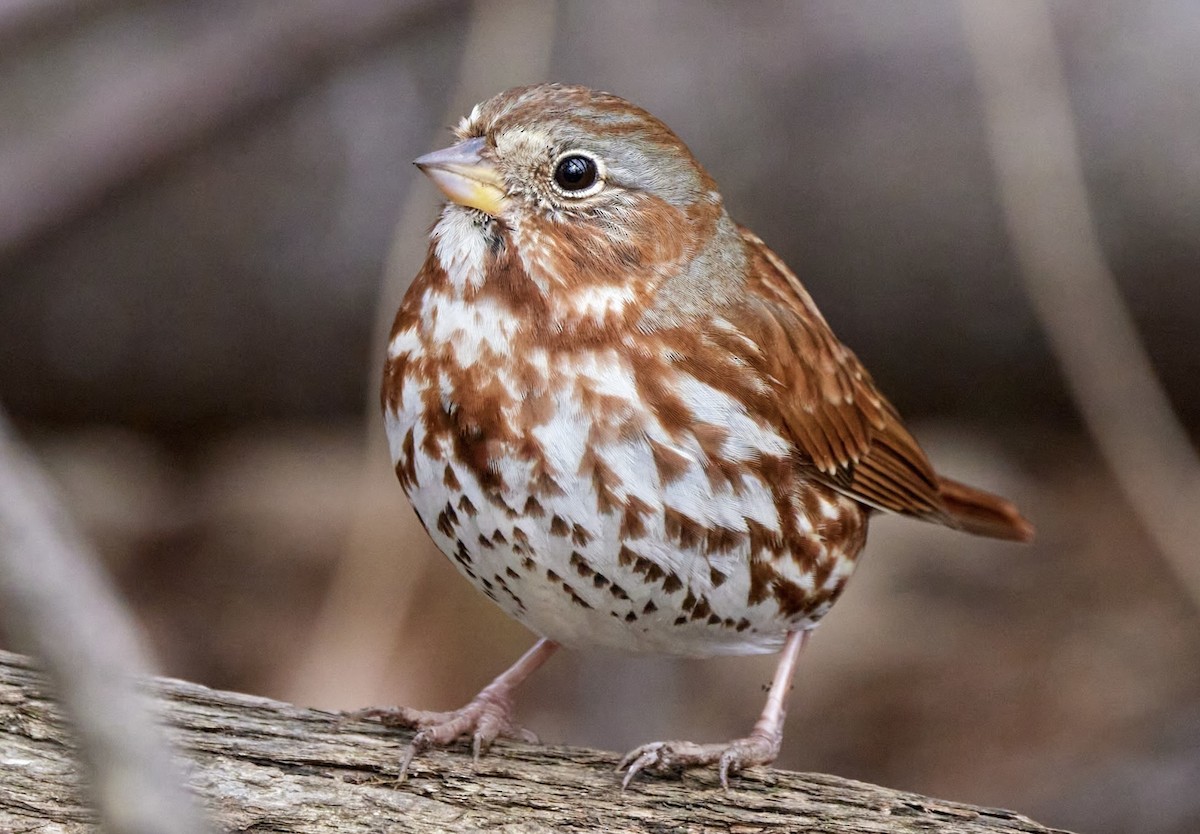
(982, 513)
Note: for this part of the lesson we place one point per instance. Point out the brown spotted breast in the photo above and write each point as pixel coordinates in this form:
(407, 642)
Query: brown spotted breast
(608, 488)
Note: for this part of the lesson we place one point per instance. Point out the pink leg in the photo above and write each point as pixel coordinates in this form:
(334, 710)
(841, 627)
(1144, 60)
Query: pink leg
(759, 748)
(487, 717)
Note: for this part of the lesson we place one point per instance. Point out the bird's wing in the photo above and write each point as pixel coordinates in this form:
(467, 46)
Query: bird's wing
(843, 427)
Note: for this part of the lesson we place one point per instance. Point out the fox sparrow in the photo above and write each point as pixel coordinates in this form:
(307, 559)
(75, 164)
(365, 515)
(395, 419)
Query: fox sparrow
(624, 419)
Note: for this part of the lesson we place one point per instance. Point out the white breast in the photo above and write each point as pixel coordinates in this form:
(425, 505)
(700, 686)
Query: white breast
(567, 562)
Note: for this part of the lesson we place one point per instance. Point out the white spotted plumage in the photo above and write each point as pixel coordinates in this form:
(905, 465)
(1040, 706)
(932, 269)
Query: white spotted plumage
(553, 573)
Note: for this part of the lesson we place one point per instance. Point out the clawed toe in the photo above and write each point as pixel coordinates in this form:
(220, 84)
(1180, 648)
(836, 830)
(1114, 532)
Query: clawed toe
(675, 756)
(410, 719)
(659, 757)
(483, 721)
(744, 753)
(637, 760)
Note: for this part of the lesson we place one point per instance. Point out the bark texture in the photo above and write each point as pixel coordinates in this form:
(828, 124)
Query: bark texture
(264, 766)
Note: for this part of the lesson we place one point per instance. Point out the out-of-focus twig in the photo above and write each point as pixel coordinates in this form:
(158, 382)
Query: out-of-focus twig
(21, 20)
(272, 49)
(1031, 136)
(55, 604)
(355, 633)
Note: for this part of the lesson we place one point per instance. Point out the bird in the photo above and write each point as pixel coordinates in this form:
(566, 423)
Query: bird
(622, 417)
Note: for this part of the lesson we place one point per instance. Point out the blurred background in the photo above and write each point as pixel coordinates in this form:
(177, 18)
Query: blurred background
(199, 202)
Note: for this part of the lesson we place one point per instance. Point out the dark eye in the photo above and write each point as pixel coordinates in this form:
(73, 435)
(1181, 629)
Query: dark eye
(575, 173)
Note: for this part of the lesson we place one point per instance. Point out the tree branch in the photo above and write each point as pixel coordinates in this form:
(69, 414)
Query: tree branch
(1040, 181)
(264, 766)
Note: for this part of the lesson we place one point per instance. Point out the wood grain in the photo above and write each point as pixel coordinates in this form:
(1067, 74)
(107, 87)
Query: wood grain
(265, 766)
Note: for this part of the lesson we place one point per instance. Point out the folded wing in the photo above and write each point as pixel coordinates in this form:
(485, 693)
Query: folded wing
(845, 429)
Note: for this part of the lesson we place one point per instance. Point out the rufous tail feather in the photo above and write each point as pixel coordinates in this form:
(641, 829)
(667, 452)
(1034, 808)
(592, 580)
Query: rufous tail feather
(982, 513)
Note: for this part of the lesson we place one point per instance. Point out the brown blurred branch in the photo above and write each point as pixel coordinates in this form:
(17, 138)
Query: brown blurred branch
(1039, 175)
(262, 765)
(55, 603)
(21, 20)
(269, 53)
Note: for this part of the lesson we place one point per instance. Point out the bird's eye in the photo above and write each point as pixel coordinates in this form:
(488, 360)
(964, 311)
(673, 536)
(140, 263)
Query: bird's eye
(577, 175)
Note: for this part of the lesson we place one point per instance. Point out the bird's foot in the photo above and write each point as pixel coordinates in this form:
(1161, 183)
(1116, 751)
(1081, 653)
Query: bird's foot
(677, 756)
(488, 717)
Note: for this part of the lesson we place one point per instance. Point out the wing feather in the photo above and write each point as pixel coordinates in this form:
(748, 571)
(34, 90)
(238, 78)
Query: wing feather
(842, 425)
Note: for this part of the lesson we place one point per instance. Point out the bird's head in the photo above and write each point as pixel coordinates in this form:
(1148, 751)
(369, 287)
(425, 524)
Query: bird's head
(591, 190)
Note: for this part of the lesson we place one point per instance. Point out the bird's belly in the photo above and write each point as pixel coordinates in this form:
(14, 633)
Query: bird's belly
(647, 540)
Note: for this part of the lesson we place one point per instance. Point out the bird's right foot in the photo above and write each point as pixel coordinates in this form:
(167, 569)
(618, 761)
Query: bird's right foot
(487, 717)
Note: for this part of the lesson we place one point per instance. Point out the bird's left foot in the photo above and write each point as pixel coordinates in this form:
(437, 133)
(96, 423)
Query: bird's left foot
(677, 756)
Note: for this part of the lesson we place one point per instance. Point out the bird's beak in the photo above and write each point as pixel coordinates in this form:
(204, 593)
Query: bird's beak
(465, 176)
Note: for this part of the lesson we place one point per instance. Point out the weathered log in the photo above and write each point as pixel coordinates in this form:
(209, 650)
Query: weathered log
(264, 766)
